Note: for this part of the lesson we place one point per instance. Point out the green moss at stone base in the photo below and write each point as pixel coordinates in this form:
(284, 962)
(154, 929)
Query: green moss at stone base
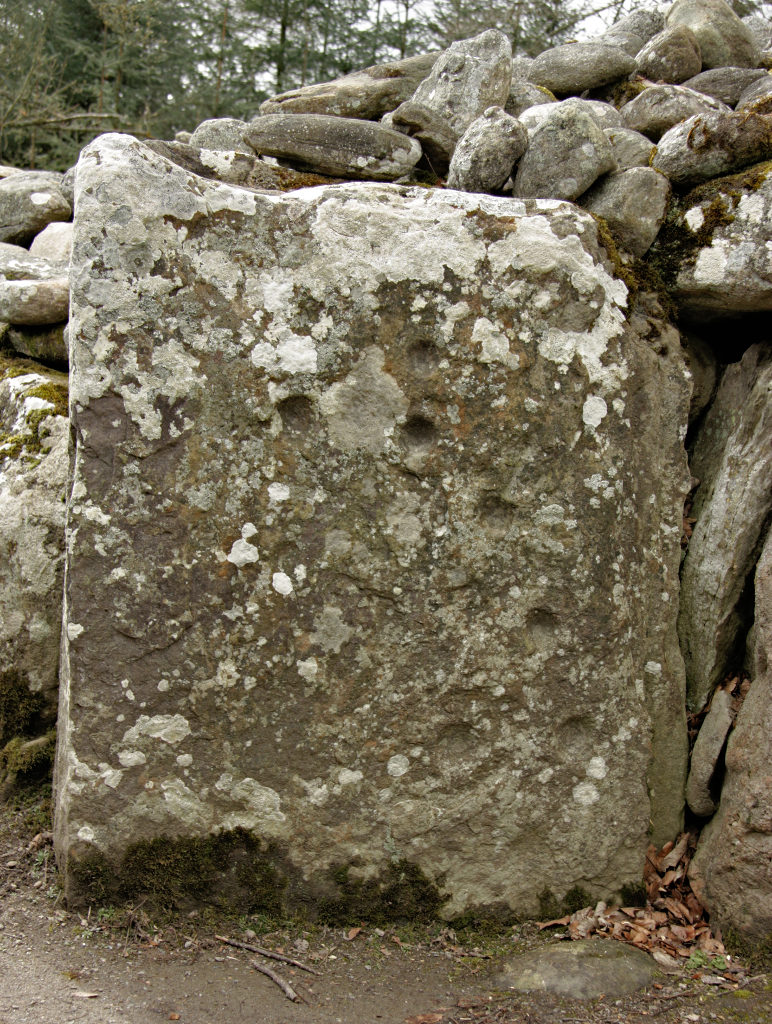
(29, 443)
(756, 954)
(401, 893)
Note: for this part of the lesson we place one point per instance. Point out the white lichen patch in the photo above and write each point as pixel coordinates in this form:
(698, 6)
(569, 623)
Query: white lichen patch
(363, 409)
(594, 411)
(262, 803)
(281, 583)
(586, 794)
(285, 353)
(131, 758)
(694, 218)
(331, 632)
(597, 768)
(494, 344)
(242, 552)
(170, 729)
(397, 765)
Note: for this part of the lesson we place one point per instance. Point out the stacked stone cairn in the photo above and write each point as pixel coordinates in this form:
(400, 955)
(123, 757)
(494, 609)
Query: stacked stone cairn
(661, 130)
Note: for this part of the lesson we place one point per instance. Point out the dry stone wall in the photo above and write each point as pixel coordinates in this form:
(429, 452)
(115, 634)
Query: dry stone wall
(374, 520)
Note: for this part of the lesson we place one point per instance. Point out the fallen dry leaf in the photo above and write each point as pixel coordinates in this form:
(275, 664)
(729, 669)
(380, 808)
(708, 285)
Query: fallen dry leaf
(352, 934)
(81, 994)
(425, 1018)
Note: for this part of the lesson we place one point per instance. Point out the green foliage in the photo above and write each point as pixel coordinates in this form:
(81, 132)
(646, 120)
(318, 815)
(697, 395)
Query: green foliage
(402, 893)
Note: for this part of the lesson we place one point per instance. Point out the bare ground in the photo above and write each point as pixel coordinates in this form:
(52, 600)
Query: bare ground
(119, 967)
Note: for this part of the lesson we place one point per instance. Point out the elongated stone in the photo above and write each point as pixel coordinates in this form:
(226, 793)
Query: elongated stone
(329, 606)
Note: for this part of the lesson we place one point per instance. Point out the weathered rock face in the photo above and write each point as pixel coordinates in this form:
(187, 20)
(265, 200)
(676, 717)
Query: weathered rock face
(730, 871)
(732, 460)
(713, 144)
(366, 557)
(724, 40)
(28, 202)
(34, 464)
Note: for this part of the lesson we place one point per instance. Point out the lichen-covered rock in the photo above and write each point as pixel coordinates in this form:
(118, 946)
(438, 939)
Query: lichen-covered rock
(365, 555)
(714, 252)
(629, 148)
(574, 67)
(724, 40)
(34, 464)
(703, 367)
(671, 56)
(633, 203)
(366, 94)
(760, 28)
(566, 153)
(19, 264)
(725, 84)
(29, 201)
(339, 146)
(730, 870)
(712, 145)
(467, 78)
(220, 133)
(733, 462)
(487, 152)
(656, 109)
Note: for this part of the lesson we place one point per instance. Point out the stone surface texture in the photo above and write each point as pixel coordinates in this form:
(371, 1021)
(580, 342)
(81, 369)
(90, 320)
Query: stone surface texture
(29, 201)
(220, 133)
(341, 146)
(633, 203)
(733, 461)
(566, 153)
(629, 148)
(54, 242)
(467, 78)
(712, 145)
(373, 537)
(34, 302)
(671, 56)
(47, 344)
(523, 95)
(724, 40)
(34, 464)
(731, 868)
(432, 130)
(366, 94)
(487, 152)
(716, 251)
(757, 95)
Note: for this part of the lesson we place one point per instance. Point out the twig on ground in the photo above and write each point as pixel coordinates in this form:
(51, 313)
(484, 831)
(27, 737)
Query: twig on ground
(286, 988)
(267, 953)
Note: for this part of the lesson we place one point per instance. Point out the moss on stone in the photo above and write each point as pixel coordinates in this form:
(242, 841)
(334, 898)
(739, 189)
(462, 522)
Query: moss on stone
(29, 443)
(401, 893)
(20, 708)
(755, 953)
(29, 757)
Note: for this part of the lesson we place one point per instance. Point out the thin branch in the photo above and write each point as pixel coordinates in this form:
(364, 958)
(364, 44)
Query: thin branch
(267, 953)
(62, 119)
(286, 988)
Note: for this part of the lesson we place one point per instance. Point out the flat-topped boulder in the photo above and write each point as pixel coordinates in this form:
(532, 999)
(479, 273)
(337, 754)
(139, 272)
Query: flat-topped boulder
(331, 613)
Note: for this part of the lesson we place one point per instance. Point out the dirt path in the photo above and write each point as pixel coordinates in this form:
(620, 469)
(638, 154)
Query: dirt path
(109, 968)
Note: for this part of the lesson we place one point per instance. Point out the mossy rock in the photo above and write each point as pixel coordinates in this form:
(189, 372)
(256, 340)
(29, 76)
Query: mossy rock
(28, 443)
(401, 893)
(20, 708)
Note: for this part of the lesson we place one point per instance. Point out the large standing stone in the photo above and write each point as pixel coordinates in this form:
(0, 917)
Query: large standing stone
(724, 40)
(34, 464)
(730, 871)
(367, 94)
(714, 251)
(470, 76)
(339, 146)
(365, 558)
(733, 461)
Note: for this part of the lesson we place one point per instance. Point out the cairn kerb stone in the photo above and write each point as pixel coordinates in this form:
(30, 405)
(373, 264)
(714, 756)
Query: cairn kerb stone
(338, 146)
(643, 24)
(34, 302)
(759, 92)
(523, 95)
(54, 242)
(44, 344)
(433, 132)
(326, 595)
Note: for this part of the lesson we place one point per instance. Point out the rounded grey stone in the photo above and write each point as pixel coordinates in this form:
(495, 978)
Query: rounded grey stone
(574, 67)
(713, 144)
(671, 56)
(757, 95)
(29, 201)
(630, 148)
(633, 203)
(567, 152)
(523, 95)
(724, 40)
(487, 152)
(725, 84)
(656, 109)
(587, 969)
(220, 133)
(760, 28)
